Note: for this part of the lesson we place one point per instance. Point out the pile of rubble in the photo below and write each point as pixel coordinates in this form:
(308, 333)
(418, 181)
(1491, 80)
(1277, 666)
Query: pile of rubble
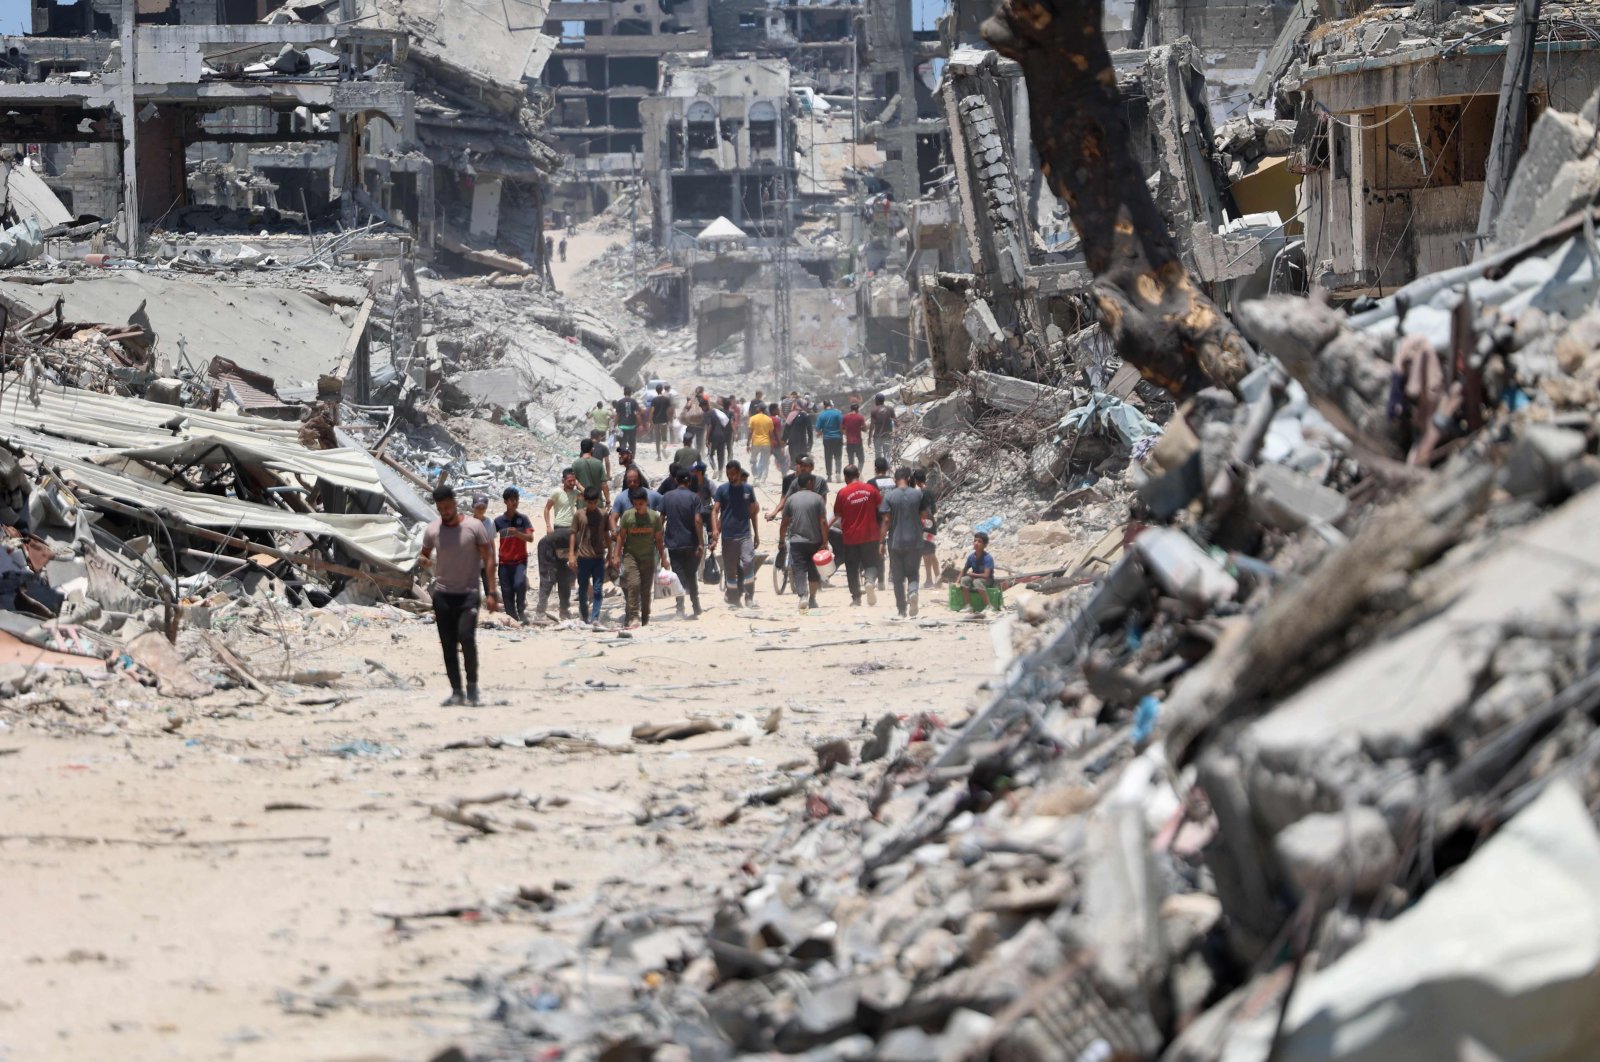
(1307, 758)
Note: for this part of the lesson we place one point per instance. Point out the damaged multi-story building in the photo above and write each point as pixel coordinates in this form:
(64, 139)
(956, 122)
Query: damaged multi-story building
(1001, 280)
(1397, 116)
(607, 60)
(410, 113)
(719, 142)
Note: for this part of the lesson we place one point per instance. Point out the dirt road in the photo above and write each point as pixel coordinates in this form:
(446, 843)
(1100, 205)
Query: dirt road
(245, 877)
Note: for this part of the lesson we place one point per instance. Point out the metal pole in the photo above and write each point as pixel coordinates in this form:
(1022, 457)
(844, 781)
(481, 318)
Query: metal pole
(1505, 150)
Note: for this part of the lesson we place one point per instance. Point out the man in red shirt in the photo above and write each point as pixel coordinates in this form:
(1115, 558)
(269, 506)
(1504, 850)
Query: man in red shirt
(854, 425)
(856, 506)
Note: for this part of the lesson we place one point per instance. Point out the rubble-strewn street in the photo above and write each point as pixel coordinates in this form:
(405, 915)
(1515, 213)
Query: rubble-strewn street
(1045, 531)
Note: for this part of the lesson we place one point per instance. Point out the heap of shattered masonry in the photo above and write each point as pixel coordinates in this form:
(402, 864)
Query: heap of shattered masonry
(1306, 755)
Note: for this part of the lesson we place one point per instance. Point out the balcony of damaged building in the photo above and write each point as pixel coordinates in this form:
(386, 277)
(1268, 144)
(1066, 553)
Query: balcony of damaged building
(1303, 761)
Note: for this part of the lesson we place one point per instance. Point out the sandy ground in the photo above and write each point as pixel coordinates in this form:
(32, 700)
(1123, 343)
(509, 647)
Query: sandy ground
(188, 892)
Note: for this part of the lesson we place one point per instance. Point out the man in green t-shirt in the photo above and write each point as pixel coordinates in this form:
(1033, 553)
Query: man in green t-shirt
(638, 545)
(590, 472)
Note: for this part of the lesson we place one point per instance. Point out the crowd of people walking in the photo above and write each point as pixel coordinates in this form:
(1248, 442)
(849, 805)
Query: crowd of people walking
(699, 527)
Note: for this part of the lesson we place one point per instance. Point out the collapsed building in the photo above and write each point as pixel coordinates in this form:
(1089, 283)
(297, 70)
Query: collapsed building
(323, 110)
(719, 142)
(1397, 117)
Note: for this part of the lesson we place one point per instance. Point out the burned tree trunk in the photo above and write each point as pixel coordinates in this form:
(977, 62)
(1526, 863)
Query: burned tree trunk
(1160, 322)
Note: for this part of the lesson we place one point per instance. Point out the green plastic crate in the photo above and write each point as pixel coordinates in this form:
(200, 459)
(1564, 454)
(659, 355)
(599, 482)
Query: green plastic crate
(958, 599)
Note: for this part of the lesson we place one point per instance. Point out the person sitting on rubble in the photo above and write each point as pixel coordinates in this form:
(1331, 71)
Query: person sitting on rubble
(977, 574)
(463, 553)
(515, 531)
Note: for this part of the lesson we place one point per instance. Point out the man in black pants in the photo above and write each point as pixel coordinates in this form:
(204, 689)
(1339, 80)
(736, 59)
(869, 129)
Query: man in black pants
(627, 414)
(685, 537)
(462, 548)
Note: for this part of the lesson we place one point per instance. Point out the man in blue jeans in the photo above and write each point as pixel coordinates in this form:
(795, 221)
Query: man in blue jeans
(515, 531)
(586, 554)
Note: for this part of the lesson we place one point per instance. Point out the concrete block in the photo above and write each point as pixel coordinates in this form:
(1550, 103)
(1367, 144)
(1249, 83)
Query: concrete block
(1543, 189)
(1535, 466)
(1290, 500)
(1352, 849)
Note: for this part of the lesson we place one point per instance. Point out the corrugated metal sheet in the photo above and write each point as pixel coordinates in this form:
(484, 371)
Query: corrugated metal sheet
(152, 430)
(379, 539)
(87, 436)
(27, 196)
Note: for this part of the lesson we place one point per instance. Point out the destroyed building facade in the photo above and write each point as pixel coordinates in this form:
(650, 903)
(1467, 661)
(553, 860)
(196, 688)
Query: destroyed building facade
(321, 109)
(720, 143)
(607, 61)
(1396, 123)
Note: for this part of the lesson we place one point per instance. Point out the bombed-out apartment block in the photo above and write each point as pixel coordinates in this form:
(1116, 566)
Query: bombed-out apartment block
(607, 61)
(818, 38)
(410, 112)
(1396, 122)
(720, 143)
(901, 50)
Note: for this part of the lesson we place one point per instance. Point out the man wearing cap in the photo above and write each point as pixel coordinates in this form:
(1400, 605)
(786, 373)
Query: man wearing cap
(734, 522)
(803, 477)
(458, 551)
(687, 454)
(515, 531)
(624, 462)
(805, 529)
(685, 536)
(638, 544)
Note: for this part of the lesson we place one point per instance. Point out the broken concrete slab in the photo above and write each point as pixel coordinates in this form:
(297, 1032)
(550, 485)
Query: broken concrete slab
(1504, 954)
(1014, 395)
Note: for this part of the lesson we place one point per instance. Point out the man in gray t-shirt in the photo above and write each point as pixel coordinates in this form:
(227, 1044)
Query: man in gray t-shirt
(805, 529)
(902, 537)
(461, 546)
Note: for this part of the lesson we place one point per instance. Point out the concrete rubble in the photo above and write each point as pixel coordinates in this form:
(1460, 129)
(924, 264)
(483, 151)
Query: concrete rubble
(1312, 640)
(1292, 739)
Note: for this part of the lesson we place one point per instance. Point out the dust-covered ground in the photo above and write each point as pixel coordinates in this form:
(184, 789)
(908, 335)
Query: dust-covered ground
(262, 876)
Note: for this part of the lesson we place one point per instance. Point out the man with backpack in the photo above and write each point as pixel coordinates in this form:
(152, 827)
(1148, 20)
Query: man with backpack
(627, 410)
